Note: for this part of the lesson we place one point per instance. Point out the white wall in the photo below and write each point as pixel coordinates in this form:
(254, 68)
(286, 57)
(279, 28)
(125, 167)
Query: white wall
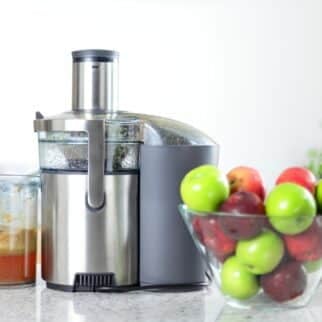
(249, 73)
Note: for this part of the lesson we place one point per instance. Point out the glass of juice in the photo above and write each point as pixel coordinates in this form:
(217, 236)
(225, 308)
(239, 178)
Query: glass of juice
(18, 229)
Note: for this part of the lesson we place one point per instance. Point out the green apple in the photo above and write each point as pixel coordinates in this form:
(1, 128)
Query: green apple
(313, 266)
(319, 195)
(204, 188)
(290, 208)
(261, 254)
(237, 281)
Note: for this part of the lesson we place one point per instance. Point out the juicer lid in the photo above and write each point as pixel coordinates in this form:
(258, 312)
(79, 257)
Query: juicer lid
(95, 100)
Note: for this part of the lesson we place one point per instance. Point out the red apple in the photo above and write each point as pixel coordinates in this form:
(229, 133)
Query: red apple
(196, 224)
(306, 246)
(212, 236)
(300, 176)
(285, 283)
(242, 227)
(246, 179)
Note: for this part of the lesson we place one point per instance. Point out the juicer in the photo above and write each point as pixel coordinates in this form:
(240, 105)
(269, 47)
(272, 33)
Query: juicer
(110, 190)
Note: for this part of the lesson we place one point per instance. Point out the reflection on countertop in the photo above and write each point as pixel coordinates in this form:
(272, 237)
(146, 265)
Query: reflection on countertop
(38, 304)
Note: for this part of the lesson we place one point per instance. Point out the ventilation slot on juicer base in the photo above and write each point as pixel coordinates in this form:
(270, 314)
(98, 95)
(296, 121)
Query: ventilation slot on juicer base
(90, 282)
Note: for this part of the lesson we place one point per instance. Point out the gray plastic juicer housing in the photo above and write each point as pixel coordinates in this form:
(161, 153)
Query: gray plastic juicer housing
(110, 190)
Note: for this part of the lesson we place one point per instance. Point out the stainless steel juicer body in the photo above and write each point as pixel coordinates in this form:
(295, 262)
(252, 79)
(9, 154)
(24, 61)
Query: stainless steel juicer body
(110, 189)
(89, 219)
(78, 239)
(89, 213)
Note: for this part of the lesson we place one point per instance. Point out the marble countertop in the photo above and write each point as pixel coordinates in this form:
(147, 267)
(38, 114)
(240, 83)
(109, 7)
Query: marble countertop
(39, 304)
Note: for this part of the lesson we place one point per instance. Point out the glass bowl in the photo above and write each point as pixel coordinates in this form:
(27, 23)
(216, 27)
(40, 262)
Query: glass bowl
(281, 269)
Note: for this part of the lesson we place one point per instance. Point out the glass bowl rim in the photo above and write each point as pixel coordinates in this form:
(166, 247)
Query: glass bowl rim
(22, 176)
(185, 211)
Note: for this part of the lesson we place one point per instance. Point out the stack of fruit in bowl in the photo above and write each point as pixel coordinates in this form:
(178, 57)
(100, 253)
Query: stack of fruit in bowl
(260, 248)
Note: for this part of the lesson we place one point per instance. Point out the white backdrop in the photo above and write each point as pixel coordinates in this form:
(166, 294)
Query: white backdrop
(249, 73)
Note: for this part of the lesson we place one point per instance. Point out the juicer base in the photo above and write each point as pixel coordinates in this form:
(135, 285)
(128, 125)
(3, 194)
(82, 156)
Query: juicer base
(59, 287)
(132, 288)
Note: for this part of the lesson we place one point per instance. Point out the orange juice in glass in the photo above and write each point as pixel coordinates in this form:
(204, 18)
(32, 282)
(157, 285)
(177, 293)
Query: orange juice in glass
(18, 229)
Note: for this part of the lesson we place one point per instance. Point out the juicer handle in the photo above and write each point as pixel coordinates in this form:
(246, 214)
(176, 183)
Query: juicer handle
(95, 196)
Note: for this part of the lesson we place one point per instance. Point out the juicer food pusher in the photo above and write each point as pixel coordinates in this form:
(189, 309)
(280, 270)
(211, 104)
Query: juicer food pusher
(110, 189)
